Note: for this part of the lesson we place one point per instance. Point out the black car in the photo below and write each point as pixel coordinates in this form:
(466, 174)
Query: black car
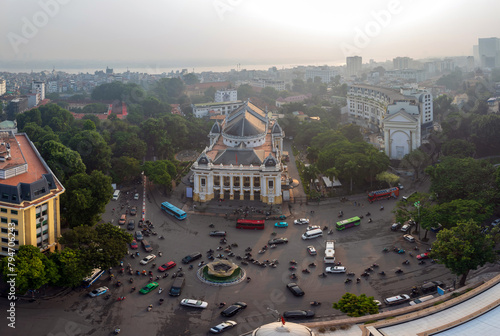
(295, 289)
(297, 314)
(192, 257)
(131, 225)
(278, 241)
(233, 309)
(133, 211)
(395, 226)
(218, 233)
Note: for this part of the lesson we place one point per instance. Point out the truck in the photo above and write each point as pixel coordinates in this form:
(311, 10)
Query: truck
(383, 194)
(329, 252)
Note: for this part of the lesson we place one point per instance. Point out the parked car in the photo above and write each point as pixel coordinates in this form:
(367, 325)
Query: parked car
(233, 309)
(194, 303)
(301, 221)
(311, 250)
(335, 269)
(167, 266)
(281, 224)
(409, 238)
(400, 186)
(148, 288)
(217, 233)
(278, 241)
(123, 219)
(148, 259)
(436, 228)
(425, 255)
(295, 289)
(136, 196)
(131, 224)
(99, 291)
(222, 327)
(313, 227)
(146, 246)
(421, 299)
(192, 257)
(395, 226)
(394, 300)
(297, 314)
(406, 227)
(133, 244)
(133, 211)
(495, 222)
(138, 235)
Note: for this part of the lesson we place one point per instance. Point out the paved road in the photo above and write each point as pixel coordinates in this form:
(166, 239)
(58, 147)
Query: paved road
(356, 248)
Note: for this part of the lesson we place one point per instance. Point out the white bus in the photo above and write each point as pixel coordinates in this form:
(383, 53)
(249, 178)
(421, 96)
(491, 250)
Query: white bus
(329, 252)
(96, 274)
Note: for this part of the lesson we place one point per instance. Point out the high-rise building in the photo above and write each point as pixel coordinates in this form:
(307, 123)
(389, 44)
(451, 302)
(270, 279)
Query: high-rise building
(30, 196)
(38, 88)
(401, 63)
(226, 96)
(489, 52)
(353, 65)
(325, 73)
(3, 86)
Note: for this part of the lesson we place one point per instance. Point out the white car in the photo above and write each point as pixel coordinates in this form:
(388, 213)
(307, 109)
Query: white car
(405, 227)
(409, 238)
(313, 227)
(148, 259)
(495, 222)
(222, 327)
(136, 196)
(311, 250)
(194, 303)
(99, 291)
(301, 221)
(335, 269)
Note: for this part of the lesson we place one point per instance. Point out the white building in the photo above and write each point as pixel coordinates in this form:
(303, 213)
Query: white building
(52, 87)
(39, 88)
(353, 66)
(402, 63)
(401, 116)
(278, 85)
(207, 109)
(226, 96)
(489, 52)
(325, 73)
(3, 86)
(407, 75)
(243, 160)
(33, 99)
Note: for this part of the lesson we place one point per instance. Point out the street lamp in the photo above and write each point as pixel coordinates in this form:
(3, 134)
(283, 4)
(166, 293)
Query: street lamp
(417, 205)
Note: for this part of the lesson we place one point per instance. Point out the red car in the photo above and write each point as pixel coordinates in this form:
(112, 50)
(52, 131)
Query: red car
(133, 244)
(423, 256)
(166, 266)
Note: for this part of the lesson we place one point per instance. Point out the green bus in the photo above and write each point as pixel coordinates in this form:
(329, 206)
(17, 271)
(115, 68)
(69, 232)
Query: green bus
(347, 223)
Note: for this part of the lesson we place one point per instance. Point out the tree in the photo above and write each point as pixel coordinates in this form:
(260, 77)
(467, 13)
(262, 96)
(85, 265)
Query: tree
(86, 197)
(450, 213)
(455, 178)
(356, 306)
(70, 266)
(33, 269)
(63, 161)
(190, 79)
(463, 248)
(93, 149)
(418, 208)
(102, 246)
(125, 169)
(245, 91)
(389, 178)
(168, 90)
(159, 172)
(458, 148)
(416, 160)
(210, 93)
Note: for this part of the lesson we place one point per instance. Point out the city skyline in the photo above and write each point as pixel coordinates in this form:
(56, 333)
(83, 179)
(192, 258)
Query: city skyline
(223, 32)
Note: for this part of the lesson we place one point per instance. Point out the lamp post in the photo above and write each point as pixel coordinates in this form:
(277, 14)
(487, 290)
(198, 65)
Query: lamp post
(417, 205)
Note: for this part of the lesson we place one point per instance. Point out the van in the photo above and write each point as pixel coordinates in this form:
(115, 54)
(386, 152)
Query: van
(394, 300)
(312, 234)
(176, 288)
(421, 299)
(191, 257)
(116, 194)
(329, 252)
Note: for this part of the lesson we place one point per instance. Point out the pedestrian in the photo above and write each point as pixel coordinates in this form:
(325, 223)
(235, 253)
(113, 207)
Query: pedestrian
(355, 203)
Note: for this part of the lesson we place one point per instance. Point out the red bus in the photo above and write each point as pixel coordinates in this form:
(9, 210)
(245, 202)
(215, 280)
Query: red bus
(383, 194)
(250, 224)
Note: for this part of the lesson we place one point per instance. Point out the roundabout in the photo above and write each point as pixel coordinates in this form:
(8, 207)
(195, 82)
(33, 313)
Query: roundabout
(221, 272)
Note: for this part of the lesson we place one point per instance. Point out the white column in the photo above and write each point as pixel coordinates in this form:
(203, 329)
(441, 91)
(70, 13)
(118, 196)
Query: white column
(242, 194)
(231, 191)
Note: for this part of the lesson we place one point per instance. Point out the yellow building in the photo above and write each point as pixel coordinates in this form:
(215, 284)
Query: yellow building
(29, 196)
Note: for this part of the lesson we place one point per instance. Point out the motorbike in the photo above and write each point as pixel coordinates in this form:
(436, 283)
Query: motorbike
(292, 268)
(365, 274)
(305, 270)
(348, 280)
(150, 307)
(322, 275)
(160, 290)
(243, 262)
(161, 237)
(165, 275)
(325, 228)
(272, 246)
(368, 214)
(131, 280)
(248, 249)
(211, 225)
(374, 265)
(382, 273)
(293, 276)
(369, 269)
(248, 279)
(330, 232)
(121, 298)
(421, 262)
(132, 289)
(203, 263)
(293, 262)
(315, 303)
(312, 265)
(399, 271)
(107, 297)
(370, 220)
(116, 331)
(160, 302)
(350, 274)
(406, 262)
(385, 249)
(358, 280)
(381, 208)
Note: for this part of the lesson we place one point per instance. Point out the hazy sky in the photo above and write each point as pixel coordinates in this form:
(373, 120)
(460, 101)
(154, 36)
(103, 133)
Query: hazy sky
(199, 32)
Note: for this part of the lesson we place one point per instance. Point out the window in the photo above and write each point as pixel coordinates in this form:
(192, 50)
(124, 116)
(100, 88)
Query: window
(5, 230)
(4, 220)
(14, 198)
(203, 182)
(5, 196)
(14, 212)
(271, 184)
(39, 225)
(14, 221)
(3, 210)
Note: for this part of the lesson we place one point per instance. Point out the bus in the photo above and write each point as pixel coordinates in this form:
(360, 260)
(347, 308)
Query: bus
(347, 223)
(96, 274)
(329, 252)
(383, 194)
(173, 210)
(250, 224)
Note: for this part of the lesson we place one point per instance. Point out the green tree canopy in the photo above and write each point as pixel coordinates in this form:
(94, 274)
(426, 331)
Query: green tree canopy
(93, 149)
(125, 169)
(450, 213)
(463, 248)
(71, 267)
(86, 197)
(63, 161)
(458, 148)
(168, 90)
(190, 79)
(32, 267)
(356, 306)
(160, 172)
